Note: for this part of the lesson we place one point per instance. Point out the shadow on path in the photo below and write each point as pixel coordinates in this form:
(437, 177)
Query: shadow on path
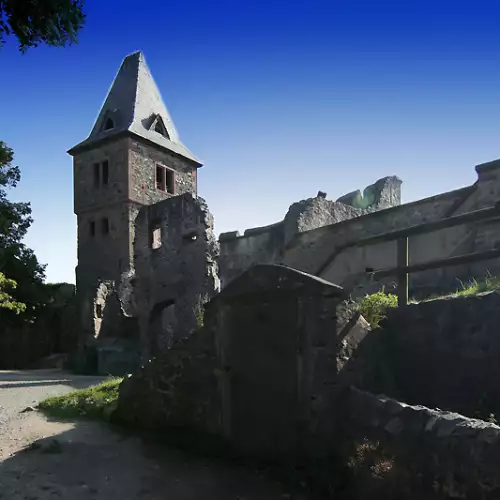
(90, 461)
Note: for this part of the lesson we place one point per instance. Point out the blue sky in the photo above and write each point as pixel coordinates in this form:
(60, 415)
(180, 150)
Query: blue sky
(279, 100)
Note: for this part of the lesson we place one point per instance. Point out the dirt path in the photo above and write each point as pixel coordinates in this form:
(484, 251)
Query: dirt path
(42, 460)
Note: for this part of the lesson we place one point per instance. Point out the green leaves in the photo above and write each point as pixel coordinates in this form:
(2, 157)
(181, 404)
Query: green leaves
(6, 300)
(374, 307)
(33, 22)
(17, 261)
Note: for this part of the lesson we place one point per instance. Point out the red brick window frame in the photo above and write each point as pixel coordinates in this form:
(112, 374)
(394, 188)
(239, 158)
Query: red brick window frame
(165, 179)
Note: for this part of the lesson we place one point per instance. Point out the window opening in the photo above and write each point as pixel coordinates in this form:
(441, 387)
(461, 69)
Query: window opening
(92, 228)
(170, 181)
(105, 172)
(109, 124)
(156, 238)
(160, 178)
(165, 179)
(105, 225)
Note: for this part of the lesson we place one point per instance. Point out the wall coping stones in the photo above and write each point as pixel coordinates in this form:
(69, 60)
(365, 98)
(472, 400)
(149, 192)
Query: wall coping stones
(273, 277)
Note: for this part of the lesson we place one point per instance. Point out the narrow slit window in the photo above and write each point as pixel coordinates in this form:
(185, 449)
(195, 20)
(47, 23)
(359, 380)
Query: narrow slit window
(96, 174)
(156, 238)
(105, 172)
(105, 225)
(92, 228)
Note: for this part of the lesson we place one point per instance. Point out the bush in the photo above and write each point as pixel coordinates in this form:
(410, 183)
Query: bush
(374, 307)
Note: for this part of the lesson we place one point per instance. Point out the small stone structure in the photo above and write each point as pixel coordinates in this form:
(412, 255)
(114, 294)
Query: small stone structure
(274, 345)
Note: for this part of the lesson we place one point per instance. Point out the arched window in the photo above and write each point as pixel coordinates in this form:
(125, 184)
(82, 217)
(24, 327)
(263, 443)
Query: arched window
(109, 124)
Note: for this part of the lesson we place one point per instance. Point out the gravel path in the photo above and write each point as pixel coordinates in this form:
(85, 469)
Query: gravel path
(47, 460)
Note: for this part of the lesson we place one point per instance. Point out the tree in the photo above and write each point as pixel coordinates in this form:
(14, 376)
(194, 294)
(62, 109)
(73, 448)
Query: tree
(33, 22)
(18, 264)
(6, 300)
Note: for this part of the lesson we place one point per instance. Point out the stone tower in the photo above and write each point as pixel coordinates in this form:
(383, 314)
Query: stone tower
(132, 157)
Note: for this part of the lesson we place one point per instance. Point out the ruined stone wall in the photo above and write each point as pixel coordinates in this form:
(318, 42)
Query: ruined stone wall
(459, 240)
(312, 250)
(385, 193)
(274, 345)
(257, 246)
(175, 267)
(267, 245)
(442, 353)
(393, 450)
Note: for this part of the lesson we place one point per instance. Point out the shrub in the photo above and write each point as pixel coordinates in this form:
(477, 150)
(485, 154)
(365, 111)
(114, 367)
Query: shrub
(374, 307)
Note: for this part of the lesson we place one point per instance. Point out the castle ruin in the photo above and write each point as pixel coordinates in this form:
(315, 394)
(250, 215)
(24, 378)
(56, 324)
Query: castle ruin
(148, 258)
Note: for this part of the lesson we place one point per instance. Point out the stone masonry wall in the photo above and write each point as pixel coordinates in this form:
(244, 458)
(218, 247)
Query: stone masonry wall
(275, 343)
(175, 268)
(458, 240)
(442, 353)
(89, 196)
(394, 450)
(104, 255)
(268, 245)
(142, 163)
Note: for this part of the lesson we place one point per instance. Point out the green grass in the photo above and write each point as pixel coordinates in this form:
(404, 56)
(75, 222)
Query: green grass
(474, 287)
(490, 284)
(375, 306)
(95, 402)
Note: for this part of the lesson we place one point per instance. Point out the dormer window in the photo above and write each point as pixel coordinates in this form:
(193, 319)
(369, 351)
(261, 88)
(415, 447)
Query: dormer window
(159, 127)
(109, 125)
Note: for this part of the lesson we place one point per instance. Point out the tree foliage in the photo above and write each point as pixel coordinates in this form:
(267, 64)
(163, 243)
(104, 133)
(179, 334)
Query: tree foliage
(6, 300)
(17, 262)
(33, 22)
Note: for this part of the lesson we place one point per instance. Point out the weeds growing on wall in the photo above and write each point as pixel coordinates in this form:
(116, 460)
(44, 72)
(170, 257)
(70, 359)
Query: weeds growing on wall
(473, 287)
(199, 312)
(374, 307)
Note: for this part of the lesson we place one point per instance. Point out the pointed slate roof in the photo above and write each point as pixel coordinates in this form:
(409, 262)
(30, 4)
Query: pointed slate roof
(134, 104)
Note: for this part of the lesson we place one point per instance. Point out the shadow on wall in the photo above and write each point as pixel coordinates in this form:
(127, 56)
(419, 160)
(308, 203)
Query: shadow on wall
(23, 344)
(442, 353)
(111, 345)
(271, 373)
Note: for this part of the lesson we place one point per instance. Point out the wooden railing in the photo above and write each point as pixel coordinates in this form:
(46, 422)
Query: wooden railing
(403, 269)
